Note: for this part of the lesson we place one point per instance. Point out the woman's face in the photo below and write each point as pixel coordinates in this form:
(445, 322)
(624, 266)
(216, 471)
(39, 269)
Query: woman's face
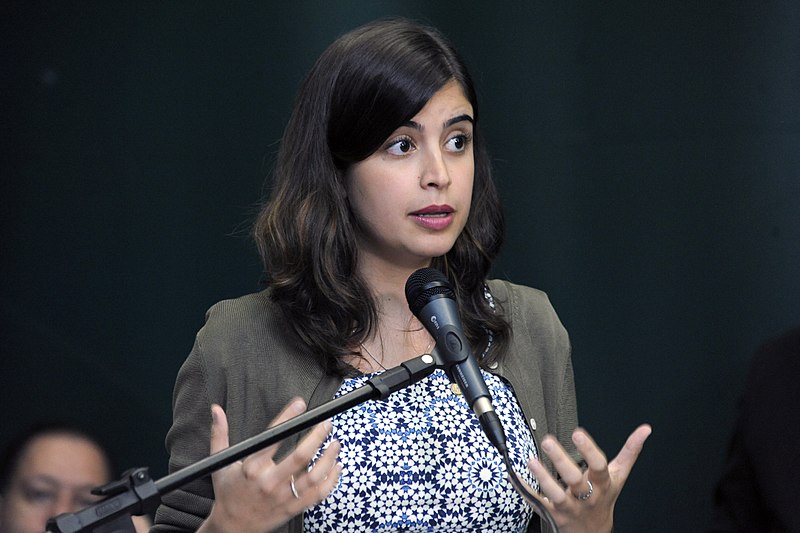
(55, 475)
(412, 196)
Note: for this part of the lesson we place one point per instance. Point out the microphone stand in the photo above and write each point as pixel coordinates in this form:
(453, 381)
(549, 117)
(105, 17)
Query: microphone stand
(135, 493)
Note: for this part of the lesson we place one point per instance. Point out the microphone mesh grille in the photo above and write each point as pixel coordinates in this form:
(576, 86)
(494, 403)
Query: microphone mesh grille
(423, 285)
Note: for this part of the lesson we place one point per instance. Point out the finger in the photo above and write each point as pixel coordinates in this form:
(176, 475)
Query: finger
(548, 486)
(219, 429)
(570, 473)
(295, 407)
(315, 479)
(323, 465)
(321, 490)
(595, 458)
(627, 456)
(263, 458)
(326, 487)
(297, 461)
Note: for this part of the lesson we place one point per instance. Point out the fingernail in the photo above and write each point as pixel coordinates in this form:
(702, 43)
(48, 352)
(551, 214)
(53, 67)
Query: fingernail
(578, 438)
(298, 406)
(547, 446)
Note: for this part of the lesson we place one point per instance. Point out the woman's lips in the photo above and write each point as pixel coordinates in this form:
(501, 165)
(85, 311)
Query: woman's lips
(435, 217)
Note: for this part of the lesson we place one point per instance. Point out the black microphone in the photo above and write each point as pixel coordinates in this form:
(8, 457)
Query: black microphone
(433, 301)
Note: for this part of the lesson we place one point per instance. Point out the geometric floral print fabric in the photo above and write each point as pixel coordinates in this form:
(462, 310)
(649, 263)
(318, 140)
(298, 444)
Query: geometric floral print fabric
(419, 461)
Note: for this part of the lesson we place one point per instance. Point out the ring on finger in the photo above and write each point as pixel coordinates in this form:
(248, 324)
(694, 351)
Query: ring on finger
(294, 489)
(583, 496)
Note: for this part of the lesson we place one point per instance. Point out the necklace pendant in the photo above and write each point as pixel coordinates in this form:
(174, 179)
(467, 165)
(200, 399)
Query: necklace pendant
(455, 389)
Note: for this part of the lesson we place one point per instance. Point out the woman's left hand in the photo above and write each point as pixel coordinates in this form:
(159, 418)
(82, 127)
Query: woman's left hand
(584, 501)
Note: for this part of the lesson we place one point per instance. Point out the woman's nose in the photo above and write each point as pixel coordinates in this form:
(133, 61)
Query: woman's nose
(434, 170)
(65, 503)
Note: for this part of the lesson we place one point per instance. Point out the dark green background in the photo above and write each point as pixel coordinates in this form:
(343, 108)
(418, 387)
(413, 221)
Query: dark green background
(647, 152)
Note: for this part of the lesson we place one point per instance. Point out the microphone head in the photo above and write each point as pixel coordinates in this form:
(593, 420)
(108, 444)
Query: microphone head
(425, 285)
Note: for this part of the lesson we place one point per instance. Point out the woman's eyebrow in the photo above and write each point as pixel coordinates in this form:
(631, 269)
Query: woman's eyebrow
(449, 122)
(457, 119)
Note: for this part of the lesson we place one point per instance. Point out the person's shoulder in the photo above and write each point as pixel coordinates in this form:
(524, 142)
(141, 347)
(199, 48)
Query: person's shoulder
(521, 298)
(242, 307)
(248, 315)
(537, 331)
(777, 357)
(527, 308)
(241, 331)
(783, 346)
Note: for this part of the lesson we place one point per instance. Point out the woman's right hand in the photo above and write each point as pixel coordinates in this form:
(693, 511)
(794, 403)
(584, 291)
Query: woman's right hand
(584, 501)
(256, 495)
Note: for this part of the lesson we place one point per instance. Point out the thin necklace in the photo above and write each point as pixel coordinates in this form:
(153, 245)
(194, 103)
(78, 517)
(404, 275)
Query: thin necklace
(427, 350)
(372, 356)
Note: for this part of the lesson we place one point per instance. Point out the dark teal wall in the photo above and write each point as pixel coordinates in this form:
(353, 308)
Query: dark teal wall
(648, 155)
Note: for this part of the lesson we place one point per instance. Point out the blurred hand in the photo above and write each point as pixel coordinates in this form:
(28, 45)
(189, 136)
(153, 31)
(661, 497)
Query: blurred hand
(255, 495)
(141, 523)
(584, 501)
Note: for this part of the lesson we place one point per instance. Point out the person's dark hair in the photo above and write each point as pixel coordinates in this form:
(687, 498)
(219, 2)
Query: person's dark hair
(16, 448)
(363, 87)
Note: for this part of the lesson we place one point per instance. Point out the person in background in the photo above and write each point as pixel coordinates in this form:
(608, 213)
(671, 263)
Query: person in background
(382, 171)
(49, 470)
(758, 487)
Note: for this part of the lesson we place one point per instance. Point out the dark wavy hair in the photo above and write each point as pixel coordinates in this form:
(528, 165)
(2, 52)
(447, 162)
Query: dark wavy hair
(361, 89)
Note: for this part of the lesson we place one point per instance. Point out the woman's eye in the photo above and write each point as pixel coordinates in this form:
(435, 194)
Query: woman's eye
(457, 143)
(400, 147)
(34, 495)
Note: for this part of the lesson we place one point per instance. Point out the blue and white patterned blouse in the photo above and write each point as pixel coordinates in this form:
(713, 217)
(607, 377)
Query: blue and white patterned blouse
(419, 461)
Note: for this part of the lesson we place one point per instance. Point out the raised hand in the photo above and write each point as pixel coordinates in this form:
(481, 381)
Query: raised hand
(257, 494)
(583, 501)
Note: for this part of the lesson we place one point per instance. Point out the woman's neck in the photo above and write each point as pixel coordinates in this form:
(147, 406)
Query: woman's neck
(398, 335)
(387, 283)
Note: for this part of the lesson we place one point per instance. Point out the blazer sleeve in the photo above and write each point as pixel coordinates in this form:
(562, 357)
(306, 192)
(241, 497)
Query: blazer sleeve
(187, 442)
